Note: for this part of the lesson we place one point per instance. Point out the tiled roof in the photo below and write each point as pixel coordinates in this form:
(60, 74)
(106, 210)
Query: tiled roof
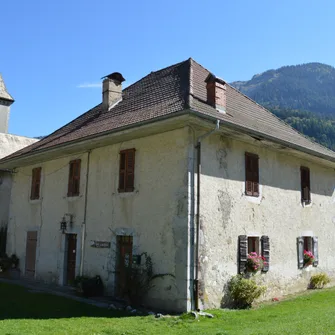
(3, 91)
(173, 89)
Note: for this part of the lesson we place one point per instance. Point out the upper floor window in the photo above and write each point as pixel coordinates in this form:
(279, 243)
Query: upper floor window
(305, 185)
(251, 175)
(126, 172)
(74, 178)
(35, 183)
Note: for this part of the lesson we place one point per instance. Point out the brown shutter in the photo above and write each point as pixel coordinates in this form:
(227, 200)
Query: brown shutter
(251, 174)
(127, 170)
(305, 185)
(74, 178)
(35, 183)
(242, 252)
(130, 170)
(265, 244)
(315, 251)
(122, 172)
(255, 171)
(248, 175)
(300, 251)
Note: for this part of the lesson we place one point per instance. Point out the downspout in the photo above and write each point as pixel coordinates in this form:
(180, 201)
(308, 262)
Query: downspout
(197, 237)
(83, 230)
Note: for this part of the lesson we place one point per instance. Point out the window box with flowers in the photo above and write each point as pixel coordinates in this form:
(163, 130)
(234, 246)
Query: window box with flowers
(255, 262)
(308, 258)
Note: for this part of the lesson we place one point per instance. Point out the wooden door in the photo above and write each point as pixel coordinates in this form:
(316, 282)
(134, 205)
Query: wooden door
(71, 258)
(31, 253)
(124, 261)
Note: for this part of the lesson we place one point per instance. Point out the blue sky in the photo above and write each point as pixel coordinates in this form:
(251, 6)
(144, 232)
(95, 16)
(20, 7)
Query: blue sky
(51, 50)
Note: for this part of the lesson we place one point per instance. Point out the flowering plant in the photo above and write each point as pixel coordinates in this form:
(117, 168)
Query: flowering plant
(255, 262)
(308, 258)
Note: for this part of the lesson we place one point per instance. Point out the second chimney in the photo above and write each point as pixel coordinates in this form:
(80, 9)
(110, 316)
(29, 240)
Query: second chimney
(216, 93)
(112, 89)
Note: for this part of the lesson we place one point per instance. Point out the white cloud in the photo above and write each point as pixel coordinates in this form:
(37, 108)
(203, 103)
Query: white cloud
(89, 85)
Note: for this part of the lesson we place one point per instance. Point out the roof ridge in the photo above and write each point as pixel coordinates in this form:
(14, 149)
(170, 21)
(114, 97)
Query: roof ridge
(282, 121)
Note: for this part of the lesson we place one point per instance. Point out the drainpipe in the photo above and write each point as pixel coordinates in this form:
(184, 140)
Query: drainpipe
(83, 230)
(197, 237)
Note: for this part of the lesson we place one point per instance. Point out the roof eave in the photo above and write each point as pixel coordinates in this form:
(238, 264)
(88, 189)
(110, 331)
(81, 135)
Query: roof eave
(248, 131)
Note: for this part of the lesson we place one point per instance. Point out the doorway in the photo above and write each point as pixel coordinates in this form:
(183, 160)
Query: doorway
(31, 253)
(123, 261)
(71, 253)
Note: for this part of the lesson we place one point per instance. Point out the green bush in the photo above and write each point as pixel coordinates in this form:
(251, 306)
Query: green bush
(244, 291)
(319, 280)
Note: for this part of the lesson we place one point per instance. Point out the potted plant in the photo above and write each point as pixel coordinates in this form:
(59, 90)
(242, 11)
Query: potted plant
(308, 258)
(255, 262)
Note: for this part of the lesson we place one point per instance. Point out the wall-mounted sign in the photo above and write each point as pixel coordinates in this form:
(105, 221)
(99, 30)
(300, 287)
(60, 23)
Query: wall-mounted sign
(100, 244)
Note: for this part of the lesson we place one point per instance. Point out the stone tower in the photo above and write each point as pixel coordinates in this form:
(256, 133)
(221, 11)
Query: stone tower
(5, 101)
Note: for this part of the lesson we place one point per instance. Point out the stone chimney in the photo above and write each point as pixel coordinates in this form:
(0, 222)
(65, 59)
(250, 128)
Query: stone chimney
(216, 93)
(112, 89)
(5, 101)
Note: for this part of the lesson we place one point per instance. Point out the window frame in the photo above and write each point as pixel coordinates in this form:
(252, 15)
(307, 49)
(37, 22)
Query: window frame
(251, 174)
(253, 244)
(305, 184)
(35, 190)
(127, 171)
(74, 178)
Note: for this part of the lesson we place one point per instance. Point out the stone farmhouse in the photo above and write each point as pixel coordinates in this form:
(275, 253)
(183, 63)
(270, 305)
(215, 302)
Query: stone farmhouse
(184, 167)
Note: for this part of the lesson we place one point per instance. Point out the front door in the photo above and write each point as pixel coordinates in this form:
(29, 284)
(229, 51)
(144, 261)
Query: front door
(124, 260)
(71, 258)
(31, 253)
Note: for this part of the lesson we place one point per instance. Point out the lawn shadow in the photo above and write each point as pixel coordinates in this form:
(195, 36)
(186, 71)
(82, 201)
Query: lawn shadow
(18, 302)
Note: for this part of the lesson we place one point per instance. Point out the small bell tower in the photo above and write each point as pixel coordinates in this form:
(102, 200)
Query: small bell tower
(5, 101)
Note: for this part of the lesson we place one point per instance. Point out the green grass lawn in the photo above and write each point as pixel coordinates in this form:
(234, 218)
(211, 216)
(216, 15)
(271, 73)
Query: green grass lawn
(24, 312)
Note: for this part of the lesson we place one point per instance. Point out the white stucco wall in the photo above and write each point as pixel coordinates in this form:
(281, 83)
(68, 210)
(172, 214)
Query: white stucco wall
(5, 188)
(10, 143)
(4, 118)
(226, 213)
(155, 214)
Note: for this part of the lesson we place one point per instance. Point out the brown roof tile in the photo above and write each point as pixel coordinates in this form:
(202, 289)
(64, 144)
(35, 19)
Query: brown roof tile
(173, 89)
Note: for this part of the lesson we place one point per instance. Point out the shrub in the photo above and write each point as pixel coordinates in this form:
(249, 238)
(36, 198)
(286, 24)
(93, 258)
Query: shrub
(139, 280)
(244, 291)
(319, 280)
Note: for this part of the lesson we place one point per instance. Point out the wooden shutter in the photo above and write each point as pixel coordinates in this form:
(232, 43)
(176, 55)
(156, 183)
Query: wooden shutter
(127, 170)
(130, 170)
(242, 252)
(300, 251)
(35, 183)
(251, 174)
(305, 185)
(31, 253)
(74, 178)
(255, 170)
(265, 244)
(315, 251)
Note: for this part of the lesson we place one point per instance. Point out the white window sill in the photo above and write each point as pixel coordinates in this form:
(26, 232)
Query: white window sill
(73, 198)
(127, 194)
(304, 205)
(35, 201)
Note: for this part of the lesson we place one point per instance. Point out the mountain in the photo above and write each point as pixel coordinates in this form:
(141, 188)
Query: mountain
(308, 87)
(301, 95)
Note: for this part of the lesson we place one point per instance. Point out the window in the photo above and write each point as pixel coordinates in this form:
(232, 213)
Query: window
(35, 183)
(253, 244)
(305, 185)
(74, 178)
(307, 243)
(248, 244)
(251, 175)
(126, 172)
